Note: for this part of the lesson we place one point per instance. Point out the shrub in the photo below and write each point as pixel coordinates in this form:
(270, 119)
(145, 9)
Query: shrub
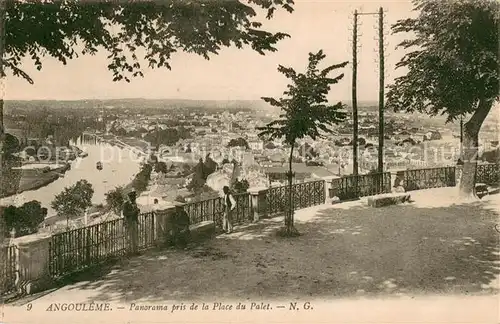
(25, 219)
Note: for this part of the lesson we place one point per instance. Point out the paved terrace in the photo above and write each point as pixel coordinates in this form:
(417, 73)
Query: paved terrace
(431, 246)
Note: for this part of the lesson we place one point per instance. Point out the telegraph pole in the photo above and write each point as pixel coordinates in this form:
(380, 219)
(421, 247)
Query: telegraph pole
(380, 14)
(461, 136)
(354, 95)
(381, 91)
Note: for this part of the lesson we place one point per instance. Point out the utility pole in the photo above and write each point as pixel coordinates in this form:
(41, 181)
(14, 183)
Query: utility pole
(354, 95)
(380, 13)
(4, 234)
(461, 136)
(381, 91)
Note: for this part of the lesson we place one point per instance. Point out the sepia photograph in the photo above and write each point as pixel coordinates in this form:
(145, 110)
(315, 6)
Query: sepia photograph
(249, 161)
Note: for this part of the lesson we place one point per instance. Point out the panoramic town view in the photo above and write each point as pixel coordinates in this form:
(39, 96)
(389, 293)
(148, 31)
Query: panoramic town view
(251, 155)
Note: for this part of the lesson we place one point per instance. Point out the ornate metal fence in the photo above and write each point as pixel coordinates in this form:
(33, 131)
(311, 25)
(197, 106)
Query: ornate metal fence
(429, 178)
(213, 210)
(147, 233)
(8, 274)
(352, 187)
(85, 247)
(304, 195)
(488, 174)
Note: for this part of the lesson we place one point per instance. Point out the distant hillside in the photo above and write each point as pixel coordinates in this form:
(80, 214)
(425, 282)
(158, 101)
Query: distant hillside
(133, 103)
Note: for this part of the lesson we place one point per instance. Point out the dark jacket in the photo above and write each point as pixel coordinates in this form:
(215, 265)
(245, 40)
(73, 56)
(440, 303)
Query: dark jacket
(130, 211)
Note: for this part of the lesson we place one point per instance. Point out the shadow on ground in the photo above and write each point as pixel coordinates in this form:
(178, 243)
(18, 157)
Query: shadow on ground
(344, 252)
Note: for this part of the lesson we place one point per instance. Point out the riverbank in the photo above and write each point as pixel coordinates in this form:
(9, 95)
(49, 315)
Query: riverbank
(22, 179)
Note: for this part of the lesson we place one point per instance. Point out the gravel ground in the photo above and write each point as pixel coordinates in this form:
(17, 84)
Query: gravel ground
(432, 246)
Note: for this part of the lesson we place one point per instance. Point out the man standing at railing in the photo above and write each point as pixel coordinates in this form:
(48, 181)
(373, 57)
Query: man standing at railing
(131, 215)
(230, 205)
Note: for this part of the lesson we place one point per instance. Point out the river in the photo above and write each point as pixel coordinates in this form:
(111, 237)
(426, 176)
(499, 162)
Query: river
(119, 168)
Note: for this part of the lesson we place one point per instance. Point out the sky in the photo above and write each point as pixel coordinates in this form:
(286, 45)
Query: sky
(238, 74)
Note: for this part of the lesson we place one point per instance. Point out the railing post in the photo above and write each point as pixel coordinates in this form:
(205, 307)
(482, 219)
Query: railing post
(328, 186)
(34, 270)
(163, 225)
(258, 199)
(458, 174)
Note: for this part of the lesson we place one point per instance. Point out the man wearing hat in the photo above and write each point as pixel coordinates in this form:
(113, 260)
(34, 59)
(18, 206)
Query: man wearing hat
(229, 206)
(131, 215)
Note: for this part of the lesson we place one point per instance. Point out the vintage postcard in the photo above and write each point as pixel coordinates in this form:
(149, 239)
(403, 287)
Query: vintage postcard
(249, 161)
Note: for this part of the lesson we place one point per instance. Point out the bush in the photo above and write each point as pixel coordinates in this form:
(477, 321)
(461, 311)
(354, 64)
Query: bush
(25, 219)
(180, 199)
(115, 199)
(241, 186)
(74, 200)
(239, 142)
(141, 180)
(161, 167)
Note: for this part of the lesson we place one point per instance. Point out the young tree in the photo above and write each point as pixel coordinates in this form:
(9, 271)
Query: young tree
(199, 177)
(452, 68)
(241, 186)
(25, 219)
(306, 112)
(115, 199)
(161, 167)
(210, 165)
(238, 142)
(73, 201)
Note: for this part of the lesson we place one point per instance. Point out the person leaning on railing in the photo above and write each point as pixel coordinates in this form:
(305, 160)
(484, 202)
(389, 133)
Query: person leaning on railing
(131, 217)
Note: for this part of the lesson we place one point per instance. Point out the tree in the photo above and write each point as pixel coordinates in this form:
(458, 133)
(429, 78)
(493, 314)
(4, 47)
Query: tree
(305, 112)
(241, 186)
(452, 68)
(73, 201)
(25, 219)
(161, 167)
(238, 142)
(307, 151)
(120, 132)
(126, 30)
(209, 166)
(11, 145)
(270, 146)
(141, 180)
(115, 199)
(198, 180)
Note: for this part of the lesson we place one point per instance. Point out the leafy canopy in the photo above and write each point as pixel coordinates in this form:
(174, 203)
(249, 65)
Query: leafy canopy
(115, 199)
(453, 58)
(127, 30)
(25, 219)
(306, 111)
(74, 200)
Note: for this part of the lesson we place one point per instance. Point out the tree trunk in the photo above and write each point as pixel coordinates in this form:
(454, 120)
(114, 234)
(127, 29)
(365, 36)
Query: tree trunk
(470, 148)
(289, 214)
(4, 234)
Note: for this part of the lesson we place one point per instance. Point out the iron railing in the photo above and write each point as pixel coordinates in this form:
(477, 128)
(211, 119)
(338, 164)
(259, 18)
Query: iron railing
(82, 248)
(213, 210)
(488, 174)
(352, 187)
(8, 271)
(304, 195)
(429, 178)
